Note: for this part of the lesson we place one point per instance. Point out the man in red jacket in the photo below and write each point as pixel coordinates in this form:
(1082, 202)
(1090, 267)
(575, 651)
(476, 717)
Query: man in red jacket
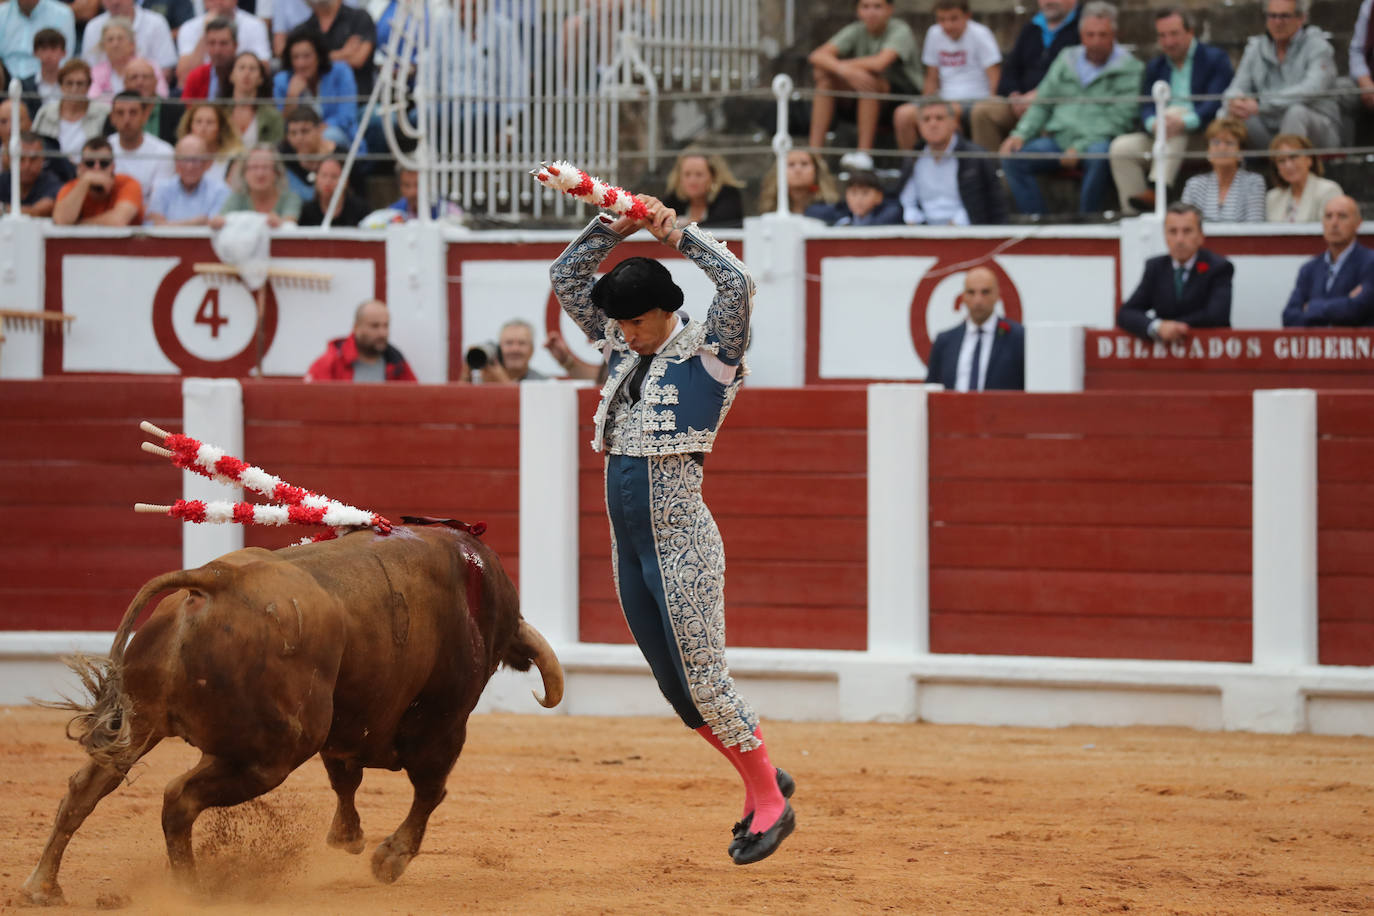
(220, 42)
(364, 356)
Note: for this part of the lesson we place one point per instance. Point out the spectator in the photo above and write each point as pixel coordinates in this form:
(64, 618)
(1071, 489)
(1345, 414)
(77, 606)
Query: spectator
(176, 12)
(866, 203)
(513, 350)
(1038, 45)
(1190, 68)
(940, 189)
(1228, 193)
(811, 189)
(20, 23)
(1362, 54)
(152, 35)
(97, 196)
(485, 61)
(409, 181)
(287, 15)
(137, 153)
(304, 148)
(117, 43)
(190, 197)
(308, 77)
(351, 37)
(1281, 79)
(875, 54)
(38, 188)
(75, 119)
(1300, 196)
(365, 355)
(986, 351)
(1100, 69)
(210, 122)
(54, 163)
(262, 189)
(349, 211)
(1190, 287)
(963, 64)
(253, 115)
(703, 190)
(142, 77)
(219, 44)
(1336, 288)
(249, 34)
(50, 47)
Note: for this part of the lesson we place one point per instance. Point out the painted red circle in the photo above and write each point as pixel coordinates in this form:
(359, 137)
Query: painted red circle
(240, 364)
(921, 304)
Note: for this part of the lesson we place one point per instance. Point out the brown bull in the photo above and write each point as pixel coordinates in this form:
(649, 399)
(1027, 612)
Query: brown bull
(369, 651)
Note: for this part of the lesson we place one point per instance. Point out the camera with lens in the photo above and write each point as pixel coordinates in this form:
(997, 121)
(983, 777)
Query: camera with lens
(483, 355)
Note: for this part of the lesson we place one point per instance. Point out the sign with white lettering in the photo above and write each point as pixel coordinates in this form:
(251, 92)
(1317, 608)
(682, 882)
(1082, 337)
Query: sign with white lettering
(1324, 357)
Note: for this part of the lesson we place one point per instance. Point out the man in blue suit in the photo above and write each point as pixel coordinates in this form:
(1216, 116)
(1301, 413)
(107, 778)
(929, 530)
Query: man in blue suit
(1190, 68)
(1190, 287)
(987, 351)
(1335, 288)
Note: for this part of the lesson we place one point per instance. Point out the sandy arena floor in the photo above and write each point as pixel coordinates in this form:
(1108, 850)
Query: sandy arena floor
(580, 815)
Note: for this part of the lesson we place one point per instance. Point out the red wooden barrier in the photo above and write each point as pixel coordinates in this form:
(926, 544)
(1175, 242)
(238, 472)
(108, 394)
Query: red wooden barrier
(1108, 526)
(1231, 360)
(72, 551)
(1345, 528)
(787, 487)
(444, 450)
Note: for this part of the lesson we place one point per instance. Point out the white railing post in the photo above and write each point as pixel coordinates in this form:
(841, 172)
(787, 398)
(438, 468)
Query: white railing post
(1162, 94)
(1284, 540)
(16, 99)
(1054, 356)
(782, 140)
(548, 509)
(211, 411)
(898, 519)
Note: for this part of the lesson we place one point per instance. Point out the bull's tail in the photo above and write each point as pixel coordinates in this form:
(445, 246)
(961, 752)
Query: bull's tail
(102, 724)
(530, 647)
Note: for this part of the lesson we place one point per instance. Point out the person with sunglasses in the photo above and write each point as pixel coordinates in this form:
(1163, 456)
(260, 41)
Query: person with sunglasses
(97, 196)
(1283, 81)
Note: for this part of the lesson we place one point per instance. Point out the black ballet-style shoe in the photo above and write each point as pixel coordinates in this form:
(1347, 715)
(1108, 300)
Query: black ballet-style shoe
(786, 785)
(755, 847)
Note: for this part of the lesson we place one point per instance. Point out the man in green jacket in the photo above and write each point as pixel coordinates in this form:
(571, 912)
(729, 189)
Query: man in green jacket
(1071, 115)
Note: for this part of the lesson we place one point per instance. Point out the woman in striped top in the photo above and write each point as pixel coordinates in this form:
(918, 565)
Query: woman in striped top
(1228, 193)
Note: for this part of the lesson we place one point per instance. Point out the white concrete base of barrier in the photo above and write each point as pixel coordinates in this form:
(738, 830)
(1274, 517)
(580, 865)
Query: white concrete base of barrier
(818, 686)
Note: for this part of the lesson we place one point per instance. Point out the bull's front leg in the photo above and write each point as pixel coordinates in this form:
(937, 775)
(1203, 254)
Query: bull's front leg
(390, 859)
(346, 832)
(84, 791)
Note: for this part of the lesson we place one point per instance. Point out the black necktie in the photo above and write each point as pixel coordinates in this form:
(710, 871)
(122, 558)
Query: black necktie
(977, 361)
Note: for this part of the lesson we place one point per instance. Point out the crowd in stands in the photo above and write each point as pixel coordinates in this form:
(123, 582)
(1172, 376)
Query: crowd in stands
(203, 109)
(279, 83)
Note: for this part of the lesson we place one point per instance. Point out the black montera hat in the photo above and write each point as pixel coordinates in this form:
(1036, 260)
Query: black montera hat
(633, 287)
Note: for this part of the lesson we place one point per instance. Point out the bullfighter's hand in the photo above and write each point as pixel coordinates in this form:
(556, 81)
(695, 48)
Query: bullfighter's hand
(627, 225)
(663, 223)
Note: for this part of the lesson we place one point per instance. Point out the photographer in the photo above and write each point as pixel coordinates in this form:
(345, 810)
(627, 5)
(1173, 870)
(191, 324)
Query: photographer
(506, 360)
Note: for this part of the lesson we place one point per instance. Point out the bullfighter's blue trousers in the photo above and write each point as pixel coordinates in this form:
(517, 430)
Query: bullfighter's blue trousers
(669, 567)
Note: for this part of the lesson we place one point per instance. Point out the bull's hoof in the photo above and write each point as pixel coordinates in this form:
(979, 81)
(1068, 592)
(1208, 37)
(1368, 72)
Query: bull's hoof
(388, 863)
(38, 895)
(351, 843)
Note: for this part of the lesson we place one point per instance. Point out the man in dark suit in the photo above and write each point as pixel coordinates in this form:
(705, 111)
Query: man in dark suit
(1190, 287)
(1335, 288)
(1190, 68)
(940, 189)
(987, 351)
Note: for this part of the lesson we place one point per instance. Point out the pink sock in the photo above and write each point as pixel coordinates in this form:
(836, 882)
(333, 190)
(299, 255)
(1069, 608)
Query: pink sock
(762, 780)
(710, 736)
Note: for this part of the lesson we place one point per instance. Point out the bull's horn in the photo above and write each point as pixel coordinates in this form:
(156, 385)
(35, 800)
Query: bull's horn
(549, 667)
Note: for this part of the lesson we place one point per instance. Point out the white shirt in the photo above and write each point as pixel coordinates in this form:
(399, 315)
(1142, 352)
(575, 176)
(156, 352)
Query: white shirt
(152, 39)
(252, 35)
(963, 64)
(149, 163)
(972, 333)
(71, 136)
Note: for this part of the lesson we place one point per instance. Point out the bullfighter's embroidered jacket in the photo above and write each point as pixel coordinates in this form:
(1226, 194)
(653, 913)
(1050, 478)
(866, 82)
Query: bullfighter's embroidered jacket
(682, 405)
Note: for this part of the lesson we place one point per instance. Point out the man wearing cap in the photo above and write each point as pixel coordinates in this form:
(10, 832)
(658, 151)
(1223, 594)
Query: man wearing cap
(670, 382)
